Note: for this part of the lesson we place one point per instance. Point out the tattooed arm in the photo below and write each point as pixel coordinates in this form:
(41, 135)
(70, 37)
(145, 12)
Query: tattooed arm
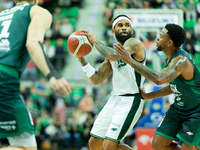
(105, 51)
(132, 45)
(175, 68)
(103, 72)
(156, 94)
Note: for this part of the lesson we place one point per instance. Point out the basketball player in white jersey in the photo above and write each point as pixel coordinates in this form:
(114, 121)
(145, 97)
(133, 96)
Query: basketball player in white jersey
(124, 107)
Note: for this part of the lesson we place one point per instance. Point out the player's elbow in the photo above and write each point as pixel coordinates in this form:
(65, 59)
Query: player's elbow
(159, 81)
(96, 83)
(31, 46)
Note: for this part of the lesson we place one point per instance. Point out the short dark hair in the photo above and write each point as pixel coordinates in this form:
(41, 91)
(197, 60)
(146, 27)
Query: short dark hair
(176, 33)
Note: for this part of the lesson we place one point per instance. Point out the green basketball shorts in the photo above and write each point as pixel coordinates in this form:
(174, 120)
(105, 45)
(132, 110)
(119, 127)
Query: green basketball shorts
(181, 127)
(14, 116)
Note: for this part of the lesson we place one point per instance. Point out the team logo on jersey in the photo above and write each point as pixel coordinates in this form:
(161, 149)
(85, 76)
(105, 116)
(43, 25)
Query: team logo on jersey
(177, 95)
(174, 89)
(190, 133)
(121, 63)
(114, 129)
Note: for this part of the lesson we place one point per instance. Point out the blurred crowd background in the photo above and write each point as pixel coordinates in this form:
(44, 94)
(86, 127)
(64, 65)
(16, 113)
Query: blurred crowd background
(64, 123)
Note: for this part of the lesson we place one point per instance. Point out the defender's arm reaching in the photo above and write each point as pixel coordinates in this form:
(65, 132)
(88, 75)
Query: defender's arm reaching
(156, 94)
(175, 68)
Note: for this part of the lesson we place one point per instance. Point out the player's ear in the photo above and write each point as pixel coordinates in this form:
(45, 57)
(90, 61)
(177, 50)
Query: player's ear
(170, 42)
(113, 31)
(131, 31)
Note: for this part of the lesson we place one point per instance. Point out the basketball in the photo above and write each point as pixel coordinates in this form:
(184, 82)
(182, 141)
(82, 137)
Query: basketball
(78, 44)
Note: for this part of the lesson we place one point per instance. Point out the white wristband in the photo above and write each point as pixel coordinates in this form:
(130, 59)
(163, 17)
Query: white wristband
(89, 70)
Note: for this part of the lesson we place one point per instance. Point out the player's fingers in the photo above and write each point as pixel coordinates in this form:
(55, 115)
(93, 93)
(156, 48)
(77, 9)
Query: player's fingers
(116, 47)
(120, 45)
(61, 90)
(67, 87)
(56, 88)
(85, 31)
(64, 86)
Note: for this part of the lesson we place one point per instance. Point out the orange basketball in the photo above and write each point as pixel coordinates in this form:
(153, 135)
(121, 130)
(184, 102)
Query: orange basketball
(78, 44)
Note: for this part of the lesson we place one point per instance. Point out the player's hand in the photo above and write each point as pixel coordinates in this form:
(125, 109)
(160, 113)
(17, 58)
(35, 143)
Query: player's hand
(91, 37)
(123, 53)
(60, 86)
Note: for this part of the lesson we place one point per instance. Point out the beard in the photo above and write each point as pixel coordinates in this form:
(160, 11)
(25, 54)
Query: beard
(121, 38)
(159, 48)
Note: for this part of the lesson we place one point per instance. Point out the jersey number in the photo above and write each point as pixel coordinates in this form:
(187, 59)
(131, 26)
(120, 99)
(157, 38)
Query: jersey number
(4, 32)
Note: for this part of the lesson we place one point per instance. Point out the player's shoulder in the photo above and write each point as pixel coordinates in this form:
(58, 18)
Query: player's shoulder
(180, 60)
(132, 41)
(36, 9)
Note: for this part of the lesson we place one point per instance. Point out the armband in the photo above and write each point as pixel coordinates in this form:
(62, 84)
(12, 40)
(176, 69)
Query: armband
(89, 70)
(53, 72)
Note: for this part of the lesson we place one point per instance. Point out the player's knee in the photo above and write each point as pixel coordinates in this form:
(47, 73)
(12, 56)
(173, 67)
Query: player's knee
(108, 145)
(25, 148)
(30, 148)
(95, 142)
(155, 144)
(91, 142)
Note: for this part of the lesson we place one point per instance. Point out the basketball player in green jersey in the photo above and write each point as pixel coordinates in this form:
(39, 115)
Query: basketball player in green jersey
(182, 120)
(22, 30)
(124, 107)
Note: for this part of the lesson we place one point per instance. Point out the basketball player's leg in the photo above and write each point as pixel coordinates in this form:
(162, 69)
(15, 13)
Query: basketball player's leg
(101, 125)
(166, 144)
(162, 143)
(123, 120)
(108, 145)
(188, 147)
(99, 144)
(25, 141)
(19, 148)
(95, 143)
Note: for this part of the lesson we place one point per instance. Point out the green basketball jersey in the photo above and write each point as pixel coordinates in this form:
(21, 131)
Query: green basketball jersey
(187, 92)
(14, 24)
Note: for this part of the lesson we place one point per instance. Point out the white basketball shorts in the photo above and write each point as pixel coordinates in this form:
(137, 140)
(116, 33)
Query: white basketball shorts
(25, 139)
(118, 117)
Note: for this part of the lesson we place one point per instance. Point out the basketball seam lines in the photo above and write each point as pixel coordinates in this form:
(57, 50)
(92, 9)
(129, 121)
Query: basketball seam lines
(79, 45)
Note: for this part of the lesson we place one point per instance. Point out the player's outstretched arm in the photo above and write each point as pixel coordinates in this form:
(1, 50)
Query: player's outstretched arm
(156, 94)
(40, 22)
(132, 45)
(106, 51)
(175, 68)
(97, 77)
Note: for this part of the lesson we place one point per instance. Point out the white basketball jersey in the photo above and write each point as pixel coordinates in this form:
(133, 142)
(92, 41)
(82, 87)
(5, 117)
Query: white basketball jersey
(125, 79)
